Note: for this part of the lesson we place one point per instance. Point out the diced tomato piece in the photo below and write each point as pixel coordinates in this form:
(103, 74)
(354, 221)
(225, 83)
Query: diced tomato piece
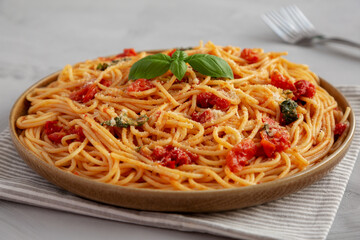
(128, 52)
(172, 157)
(79, 94)
(249, 55)
(280, 81)
(209, 100)
(340, 129)
(203, 117)
(140, 85)
(205, 100)
(269, 147)
(159, 152)
(106, 82)
(56, 136)
(87, 91)
(51, 127)
(193, 156)
(241, 154)
(172, 52)
(90, 93)
(55, 132)
(304, 89)
(78, 131)
(274, 138)
(222, 104)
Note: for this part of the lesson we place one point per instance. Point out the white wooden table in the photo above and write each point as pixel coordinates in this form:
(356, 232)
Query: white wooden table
(39, 37)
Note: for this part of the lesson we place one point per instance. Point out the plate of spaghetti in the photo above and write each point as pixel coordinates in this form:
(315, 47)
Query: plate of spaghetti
(208, 128)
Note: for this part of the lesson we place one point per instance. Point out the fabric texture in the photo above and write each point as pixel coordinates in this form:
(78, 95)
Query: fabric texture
(307, 214)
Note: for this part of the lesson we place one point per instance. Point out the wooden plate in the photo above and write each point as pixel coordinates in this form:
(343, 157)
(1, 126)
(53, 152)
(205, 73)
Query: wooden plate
(176, 201)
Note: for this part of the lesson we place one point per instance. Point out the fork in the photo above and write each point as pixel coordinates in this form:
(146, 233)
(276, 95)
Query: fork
(292, 26)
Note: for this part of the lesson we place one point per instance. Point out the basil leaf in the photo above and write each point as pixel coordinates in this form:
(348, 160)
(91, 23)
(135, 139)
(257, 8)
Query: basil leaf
(288, 109)
(179, 55)
(178, 68)
(210, 65)
(150, 66)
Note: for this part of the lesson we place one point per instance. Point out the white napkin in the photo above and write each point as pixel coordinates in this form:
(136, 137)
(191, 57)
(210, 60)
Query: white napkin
(307, 214)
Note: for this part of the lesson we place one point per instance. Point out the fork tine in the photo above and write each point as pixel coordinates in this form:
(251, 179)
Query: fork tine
(301, 16)
(278, 25)
(301, 20)
(290, 18)
(290, 24)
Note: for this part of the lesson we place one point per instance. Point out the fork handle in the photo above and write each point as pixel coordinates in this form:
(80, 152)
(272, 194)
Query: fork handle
(323, 39)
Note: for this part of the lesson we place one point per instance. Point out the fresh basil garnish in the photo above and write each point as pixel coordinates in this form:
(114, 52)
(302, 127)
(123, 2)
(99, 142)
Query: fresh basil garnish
(178, 68)
(210, 65)
(156, 65)
(150, 66)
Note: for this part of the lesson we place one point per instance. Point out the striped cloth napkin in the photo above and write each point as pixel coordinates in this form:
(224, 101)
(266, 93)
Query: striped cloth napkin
(307, 214)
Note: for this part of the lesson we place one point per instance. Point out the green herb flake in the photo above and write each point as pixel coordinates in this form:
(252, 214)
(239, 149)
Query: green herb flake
(138, 149)
(185, 49)
(124, 121)
(288, 109)
(102, 66)
(287, 92)
(266, 128)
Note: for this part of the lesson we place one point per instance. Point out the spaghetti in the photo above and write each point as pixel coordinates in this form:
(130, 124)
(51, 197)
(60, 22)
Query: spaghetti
(198, 133)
